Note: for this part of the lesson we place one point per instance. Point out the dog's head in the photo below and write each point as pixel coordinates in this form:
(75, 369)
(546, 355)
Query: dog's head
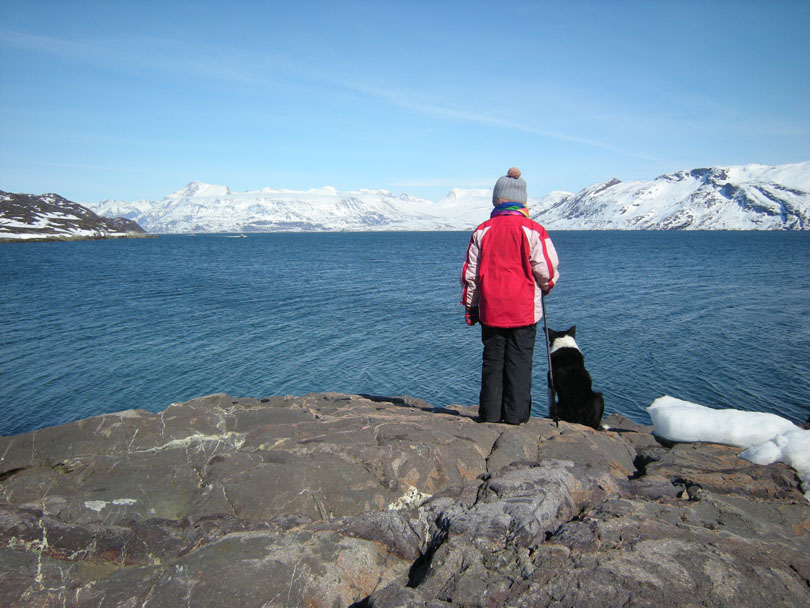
(562, 339)
(553, 335)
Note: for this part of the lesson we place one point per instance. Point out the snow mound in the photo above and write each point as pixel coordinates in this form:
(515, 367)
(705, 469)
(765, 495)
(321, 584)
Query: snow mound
(679, 420)
(768, 438)
(792, 448)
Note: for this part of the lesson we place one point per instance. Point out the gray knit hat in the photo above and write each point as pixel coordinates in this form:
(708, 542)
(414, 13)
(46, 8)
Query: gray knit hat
(510, 187)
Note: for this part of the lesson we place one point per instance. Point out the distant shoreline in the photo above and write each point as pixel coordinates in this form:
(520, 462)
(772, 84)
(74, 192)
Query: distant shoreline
(61, 239)
(68, 238)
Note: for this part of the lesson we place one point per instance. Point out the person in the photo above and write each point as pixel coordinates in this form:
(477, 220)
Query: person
(511, 262)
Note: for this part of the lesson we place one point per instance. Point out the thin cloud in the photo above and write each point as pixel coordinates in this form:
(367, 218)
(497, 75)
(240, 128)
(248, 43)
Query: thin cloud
(43, 44)
(143, 55)
(221, 64)
(414, 103)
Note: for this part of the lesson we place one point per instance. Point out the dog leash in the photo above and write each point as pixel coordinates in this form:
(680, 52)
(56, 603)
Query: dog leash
(552, 408)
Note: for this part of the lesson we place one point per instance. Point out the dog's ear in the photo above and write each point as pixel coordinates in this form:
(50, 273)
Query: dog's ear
(572, 331)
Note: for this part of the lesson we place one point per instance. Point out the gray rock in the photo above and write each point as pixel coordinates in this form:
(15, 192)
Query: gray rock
(341, 500)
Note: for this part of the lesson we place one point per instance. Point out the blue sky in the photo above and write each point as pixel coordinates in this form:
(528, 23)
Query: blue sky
(133, 100)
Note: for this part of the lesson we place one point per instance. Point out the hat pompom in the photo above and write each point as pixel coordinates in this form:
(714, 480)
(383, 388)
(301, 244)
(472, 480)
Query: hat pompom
(510, 187)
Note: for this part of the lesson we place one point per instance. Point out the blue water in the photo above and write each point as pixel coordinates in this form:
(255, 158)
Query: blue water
(718, 318)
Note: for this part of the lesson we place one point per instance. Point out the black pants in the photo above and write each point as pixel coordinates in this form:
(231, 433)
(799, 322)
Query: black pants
(506, 374)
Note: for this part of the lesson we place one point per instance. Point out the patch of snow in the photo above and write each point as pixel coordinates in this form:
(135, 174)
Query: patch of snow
(767, 438)
(791, 447)
(679, 420)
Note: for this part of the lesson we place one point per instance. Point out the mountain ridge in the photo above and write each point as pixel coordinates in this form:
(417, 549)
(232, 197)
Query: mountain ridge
(50, 216)
(745, 197)
(742, 197)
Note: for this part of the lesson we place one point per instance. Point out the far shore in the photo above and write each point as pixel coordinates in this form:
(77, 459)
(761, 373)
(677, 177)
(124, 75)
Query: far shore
(62, 239)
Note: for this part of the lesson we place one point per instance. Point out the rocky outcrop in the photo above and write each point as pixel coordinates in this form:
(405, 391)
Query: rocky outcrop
(339, 500)
(52, 217)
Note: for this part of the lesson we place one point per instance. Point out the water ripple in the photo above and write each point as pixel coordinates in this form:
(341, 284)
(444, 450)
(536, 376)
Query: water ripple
(717, 318)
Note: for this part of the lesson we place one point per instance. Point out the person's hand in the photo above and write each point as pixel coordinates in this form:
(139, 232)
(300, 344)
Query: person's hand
(547, 289)
(471, 315)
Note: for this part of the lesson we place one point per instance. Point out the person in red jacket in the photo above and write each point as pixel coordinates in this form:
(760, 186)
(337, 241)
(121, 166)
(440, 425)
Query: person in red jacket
(511, 262)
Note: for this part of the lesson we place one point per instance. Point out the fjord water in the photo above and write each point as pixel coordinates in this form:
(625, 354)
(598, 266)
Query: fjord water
(718, 318)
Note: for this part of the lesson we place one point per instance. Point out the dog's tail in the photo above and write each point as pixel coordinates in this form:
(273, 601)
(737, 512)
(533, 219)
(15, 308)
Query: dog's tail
(552, 403)
(597, 410)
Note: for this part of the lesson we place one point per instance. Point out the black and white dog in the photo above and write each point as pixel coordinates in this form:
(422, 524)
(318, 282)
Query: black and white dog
(576, 402)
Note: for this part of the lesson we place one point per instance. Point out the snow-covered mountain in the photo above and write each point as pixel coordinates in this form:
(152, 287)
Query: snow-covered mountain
(203, 207)
(49, 216)
(751, 197)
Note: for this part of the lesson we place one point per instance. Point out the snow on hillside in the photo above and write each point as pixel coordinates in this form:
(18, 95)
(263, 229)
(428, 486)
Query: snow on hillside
(474, 204)
(49, 216)
(208, 208)
(750, 197)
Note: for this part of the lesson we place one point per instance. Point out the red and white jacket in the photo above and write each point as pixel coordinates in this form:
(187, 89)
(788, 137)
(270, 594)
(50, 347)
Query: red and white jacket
(510, 262)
